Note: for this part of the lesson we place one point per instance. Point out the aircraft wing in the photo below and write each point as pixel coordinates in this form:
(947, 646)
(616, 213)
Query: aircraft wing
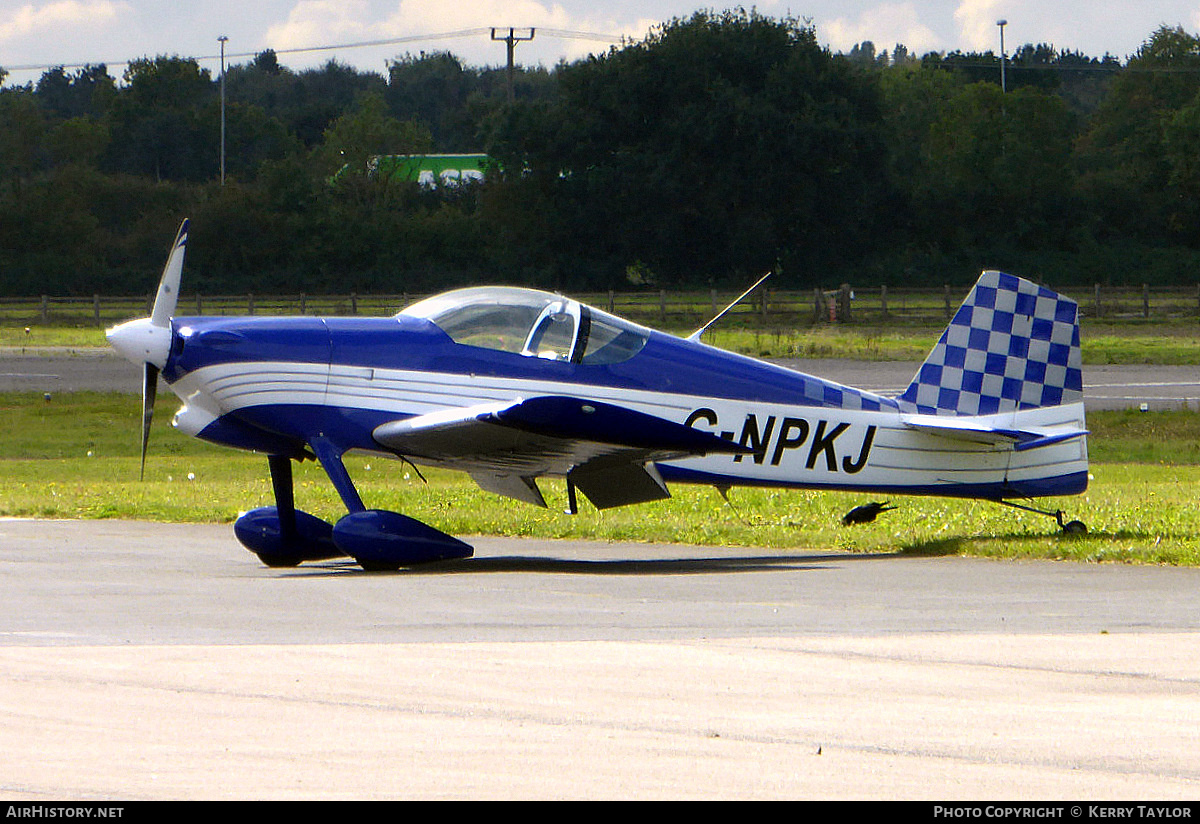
(980, 429)
(607, 451)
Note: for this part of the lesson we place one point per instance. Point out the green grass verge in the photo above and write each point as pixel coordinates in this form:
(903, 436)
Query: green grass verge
(77, 457)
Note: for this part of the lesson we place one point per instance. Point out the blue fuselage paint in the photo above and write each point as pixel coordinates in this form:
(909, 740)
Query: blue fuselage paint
(275, 384)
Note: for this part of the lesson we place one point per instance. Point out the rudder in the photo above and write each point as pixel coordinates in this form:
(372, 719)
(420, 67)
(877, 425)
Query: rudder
(1011, 345)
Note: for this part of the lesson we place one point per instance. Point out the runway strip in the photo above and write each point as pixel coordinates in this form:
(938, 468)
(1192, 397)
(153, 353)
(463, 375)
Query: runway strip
(1105, 387)
(161, 661)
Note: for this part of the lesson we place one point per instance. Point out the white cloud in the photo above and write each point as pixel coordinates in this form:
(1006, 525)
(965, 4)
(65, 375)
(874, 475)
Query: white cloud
(977, 22)
(32, 20)
(437, 15)
(322, 22)
(885, 26)
(318, 22)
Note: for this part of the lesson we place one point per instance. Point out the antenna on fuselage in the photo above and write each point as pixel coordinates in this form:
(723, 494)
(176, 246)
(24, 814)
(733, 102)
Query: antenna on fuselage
(696, 335)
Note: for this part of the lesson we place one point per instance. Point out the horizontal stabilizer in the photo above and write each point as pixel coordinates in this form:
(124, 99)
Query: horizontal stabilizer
(990, 430)
(1047, 440)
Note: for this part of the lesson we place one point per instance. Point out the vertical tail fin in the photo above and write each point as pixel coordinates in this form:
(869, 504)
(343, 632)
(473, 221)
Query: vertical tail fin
(1011, 345)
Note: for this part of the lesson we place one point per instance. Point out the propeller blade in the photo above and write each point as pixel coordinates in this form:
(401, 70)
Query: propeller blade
(168, 285)
(149, 392)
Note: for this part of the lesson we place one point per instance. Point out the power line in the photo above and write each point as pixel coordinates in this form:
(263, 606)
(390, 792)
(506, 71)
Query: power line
(391, 41)
(1099, 68)
(582, 35)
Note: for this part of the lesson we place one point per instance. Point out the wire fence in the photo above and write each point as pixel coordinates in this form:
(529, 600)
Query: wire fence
(765, 309)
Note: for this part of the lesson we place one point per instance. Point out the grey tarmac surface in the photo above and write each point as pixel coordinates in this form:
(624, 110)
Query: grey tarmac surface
(149, 661)
(1105, 387)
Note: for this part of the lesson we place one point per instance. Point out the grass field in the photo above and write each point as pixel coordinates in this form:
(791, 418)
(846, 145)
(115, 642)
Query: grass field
(77, 457)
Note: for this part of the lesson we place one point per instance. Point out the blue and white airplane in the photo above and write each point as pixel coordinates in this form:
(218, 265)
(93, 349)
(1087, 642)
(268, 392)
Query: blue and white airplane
(512, 385)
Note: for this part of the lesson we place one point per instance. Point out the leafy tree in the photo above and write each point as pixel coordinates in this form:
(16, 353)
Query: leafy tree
(915, 97)
(367, 131)
(452, 100)
(21, 137)
(165, 123)
(78, 140)
(720, 145)
(252, 138)
(322, 95)
(864, 55)
(1181, 152)
(86, 93)
(433, 89)
(999, 165)
(1122, 157)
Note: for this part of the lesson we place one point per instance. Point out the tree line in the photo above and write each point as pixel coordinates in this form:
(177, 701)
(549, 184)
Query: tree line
(721, 146)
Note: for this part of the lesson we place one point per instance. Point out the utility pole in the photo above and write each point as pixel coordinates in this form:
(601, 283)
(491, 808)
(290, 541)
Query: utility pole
(512, 39)
(222, 39)
(1003, 81)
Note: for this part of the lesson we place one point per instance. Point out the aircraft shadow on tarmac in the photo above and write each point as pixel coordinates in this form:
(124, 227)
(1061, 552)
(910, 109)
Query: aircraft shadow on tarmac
(576, 566)
(954, 544)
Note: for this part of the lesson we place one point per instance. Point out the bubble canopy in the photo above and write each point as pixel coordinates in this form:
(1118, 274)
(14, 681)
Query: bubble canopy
(532, 323)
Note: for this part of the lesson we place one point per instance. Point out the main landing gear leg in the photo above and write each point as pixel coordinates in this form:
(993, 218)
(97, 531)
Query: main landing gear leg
(281, 535)
(331, 461)
(380, 540)
(285, 498)
(1068, 528)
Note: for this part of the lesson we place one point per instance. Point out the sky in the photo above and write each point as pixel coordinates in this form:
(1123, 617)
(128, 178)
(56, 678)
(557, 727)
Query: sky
(35, 34)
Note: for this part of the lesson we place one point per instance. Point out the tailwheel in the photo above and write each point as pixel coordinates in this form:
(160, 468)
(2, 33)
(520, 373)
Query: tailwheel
(1067, 527)
(1070, 527)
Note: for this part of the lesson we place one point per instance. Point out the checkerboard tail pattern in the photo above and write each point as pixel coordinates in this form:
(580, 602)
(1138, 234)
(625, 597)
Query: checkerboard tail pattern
(1011, 345)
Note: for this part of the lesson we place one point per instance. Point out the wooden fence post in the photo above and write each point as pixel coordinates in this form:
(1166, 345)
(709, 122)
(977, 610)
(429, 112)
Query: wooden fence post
(1145, 300)
(883, 301)
(96, 308)
(946, 299)
(1099, 305)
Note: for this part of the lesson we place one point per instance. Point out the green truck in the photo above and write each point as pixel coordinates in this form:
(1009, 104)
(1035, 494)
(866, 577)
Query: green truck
(433, 170)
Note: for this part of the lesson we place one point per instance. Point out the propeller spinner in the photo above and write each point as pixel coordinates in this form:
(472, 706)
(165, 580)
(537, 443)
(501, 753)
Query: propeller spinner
(147, 341)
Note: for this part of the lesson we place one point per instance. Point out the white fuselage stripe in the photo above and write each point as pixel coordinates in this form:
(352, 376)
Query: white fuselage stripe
(808, 445)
